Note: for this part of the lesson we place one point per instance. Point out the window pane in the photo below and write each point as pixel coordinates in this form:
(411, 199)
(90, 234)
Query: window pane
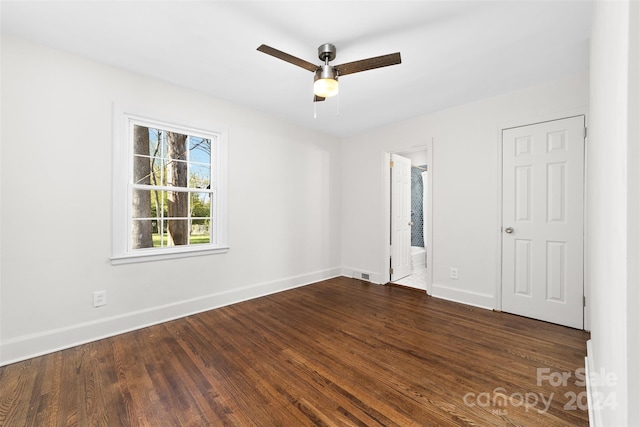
(199, 176)
(156, 143)
(140, 140)
(142, 234)
(178, 232)
(141, 170)
(147, 141)
(158, 172)
(199, 150)
(175, 173)
(141, 204)
(200, 205)
(158, 204)
(160, 235)
(176, 146)
(200, 231)
(177, 204)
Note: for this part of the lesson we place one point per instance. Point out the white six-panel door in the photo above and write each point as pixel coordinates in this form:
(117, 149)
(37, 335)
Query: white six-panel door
(400, 217)
(542, 221)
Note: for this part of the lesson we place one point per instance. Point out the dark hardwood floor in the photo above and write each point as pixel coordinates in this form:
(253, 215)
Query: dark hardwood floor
(340, 352)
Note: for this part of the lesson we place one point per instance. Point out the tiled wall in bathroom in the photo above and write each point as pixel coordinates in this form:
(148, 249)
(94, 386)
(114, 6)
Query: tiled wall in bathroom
(417, 237)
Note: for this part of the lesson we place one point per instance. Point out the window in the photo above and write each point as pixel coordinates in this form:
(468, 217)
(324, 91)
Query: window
(172, 202)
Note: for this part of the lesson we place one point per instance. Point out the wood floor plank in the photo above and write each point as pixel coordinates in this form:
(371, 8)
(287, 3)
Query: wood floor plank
(341, 352)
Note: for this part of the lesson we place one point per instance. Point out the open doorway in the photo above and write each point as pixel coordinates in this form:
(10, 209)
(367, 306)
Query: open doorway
(408, 253)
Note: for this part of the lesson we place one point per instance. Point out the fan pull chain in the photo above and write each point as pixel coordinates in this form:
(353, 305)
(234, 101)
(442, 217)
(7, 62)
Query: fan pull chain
(315, 110)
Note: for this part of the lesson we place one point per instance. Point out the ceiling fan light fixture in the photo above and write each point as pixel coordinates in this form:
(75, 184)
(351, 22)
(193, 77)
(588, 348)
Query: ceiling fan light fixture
(326, 82)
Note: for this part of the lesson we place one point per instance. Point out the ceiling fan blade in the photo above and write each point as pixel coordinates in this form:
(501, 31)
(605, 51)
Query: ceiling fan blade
(317, 98)
(368, 64)
(286, 57)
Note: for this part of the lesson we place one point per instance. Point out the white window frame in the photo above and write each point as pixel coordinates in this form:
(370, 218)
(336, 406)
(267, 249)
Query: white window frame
(122, 251)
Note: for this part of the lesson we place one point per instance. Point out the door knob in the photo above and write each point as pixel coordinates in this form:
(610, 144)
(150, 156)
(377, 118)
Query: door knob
(508, 230)
(410, 223)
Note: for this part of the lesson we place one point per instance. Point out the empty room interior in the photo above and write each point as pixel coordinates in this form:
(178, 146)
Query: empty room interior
(335, 213)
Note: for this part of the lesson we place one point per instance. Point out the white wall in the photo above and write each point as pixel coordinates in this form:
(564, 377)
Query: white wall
(284, 206)
(465, 173)
(613, 212)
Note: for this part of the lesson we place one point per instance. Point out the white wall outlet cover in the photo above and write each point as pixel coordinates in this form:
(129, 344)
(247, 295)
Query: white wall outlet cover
(99, 298)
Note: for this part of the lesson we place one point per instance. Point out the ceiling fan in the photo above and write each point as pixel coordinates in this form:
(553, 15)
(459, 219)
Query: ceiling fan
(325, 82)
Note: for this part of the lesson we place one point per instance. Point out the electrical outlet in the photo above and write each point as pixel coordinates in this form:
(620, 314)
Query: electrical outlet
(454, 273)
(99, 298)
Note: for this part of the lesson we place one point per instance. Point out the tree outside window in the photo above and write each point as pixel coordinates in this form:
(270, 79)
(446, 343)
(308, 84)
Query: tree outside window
(171, 192)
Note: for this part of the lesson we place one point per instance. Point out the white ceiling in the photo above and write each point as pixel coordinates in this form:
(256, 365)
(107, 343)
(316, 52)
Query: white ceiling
(453, 52)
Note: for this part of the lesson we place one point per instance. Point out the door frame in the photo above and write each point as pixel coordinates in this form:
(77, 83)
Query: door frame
(541, 119)
(386, 210)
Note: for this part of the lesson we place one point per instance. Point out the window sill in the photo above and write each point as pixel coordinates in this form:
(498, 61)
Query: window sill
(177, 253)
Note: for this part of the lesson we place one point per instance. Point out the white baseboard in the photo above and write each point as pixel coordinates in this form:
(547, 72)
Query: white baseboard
(28, 346)
(475, 299)
(357, 274)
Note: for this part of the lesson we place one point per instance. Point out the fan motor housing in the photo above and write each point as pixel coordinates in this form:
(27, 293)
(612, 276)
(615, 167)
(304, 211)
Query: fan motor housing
(327, 52)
